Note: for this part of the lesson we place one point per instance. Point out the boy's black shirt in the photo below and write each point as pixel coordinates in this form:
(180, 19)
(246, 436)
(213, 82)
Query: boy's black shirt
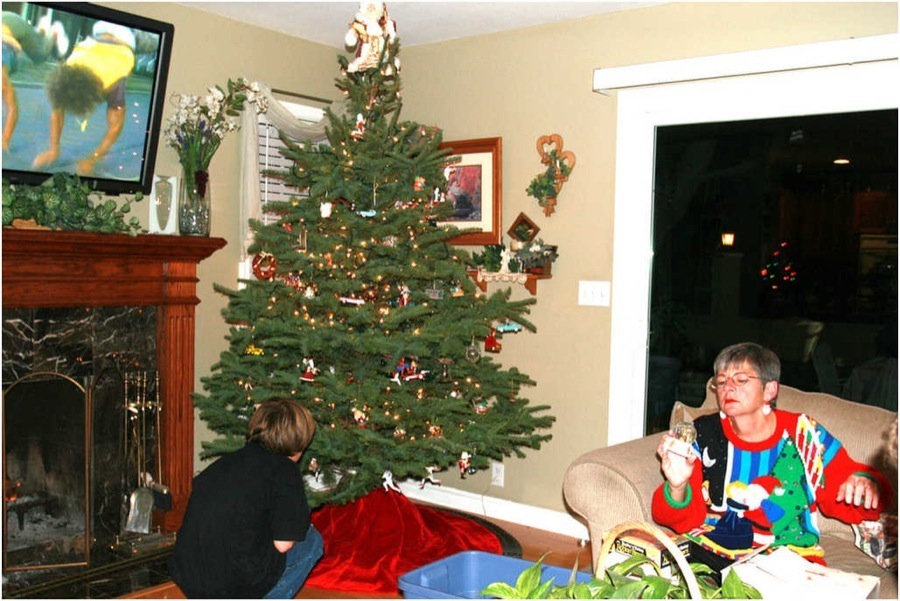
(239, 505)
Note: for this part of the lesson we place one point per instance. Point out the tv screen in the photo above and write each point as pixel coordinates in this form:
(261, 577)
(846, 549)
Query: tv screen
(83, 91)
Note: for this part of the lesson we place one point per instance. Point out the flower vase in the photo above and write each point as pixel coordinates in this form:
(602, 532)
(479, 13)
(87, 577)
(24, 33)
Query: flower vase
(194, 203)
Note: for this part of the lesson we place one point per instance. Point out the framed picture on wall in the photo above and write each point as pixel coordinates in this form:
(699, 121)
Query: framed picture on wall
(474, 187)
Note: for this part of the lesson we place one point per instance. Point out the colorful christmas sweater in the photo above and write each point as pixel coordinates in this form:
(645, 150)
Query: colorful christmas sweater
(779, 484)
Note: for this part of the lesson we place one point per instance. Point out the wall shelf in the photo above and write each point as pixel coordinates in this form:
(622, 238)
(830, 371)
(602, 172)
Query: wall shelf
(530, 280)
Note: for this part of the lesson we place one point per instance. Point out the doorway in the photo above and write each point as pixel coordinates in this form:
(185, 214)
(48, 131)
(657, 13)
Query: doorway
(641, 110)
(780, 231)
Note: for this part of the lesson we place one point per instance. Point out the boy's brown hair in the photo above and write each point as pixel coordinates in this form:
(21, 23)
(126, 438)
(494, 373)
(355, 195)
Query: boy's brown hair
(282, 426)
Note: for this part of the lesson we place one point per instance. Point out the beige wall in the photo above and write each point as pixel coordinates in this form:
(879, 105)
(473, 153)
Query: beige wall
(208, 50)
(517, 86)
(530, 83)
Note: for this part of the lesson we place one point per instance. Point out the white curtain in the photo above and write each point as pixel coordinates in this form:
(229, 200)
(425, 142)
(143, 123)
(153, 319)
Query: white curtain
(287, 123)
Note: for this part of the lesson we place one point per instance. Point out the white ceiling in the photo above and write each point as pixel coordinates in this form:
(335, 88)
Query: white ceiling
(418, 22)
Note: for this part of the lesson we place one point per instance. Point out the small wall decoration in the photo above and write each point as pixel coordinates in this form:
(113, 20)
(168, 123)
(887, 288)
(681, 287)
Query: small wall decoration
(522, 231)
(545, 187)
(474, 188)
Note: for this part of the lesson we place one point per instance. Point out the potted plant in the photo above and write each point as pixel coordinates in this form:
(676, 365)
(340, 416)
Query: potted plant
(537, 258)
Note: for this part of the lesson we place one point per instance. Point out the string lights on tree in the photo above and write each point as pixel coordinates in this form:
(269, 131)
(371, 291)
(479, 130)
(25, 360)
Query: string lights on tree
(362, 310)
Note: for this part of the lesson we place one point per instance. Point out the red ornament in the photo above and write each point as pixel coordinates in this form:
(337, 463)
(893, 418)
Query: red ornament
(264, 265)
(491, 344)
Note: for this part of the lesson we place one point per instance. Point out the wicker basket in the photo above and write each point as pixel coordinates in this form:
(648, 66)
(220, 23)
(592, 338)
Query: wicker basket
(684, 567)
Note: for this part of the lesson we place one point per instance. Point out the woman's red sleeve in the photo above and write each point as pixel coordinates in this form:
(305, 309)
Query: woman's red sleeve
(841, 467)
(681, 518)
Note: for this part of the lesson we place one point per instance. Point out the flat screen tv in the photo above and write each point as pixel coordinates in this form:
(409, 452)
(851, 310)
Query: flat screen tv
(83, 92)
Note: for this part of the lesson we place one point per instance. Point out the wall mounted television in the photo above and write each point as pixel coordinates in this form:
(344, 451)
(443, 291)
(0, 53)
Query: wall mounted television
(83, 92)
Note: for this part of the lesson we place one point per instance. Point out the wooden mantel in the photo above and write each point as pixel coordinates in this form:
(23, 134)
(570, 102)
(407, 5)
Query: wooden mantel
(80, 269)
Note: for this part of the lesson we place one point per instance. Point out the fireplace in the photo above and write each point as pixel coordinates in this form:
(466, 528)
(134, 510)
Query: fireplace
(102, 305)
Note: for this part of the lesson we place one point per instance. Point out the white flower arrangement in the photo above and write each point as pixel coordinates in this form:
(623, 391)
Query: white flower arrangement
(198, 126)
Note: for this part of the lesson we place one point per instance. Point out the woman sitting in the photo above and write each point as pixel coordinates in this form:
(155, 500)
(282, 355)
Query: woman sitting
(759, 475)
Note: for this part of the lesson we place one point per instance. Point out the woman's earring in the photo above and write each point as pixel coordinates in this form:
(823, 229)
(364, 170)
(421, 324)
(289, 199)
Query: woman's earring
(767, 409)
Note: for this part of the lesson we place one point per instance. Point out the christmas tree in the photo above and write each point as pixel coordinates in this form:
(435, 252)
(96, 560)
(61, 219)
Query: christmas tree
(363, 311)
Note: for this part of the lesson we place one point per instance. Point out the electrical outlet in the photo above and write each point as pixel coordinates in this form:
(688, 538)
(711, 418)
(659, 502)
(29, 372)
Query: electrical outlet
(497, 473)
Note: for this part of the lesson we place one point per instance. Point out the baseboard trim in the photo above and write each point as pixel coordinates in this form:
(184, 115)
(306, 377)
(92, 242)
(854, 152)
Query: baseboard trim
(492, 507)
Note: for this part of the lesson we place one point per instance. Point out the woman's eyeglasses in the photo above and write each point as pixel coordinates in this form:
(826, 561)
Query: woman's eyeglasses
(739, 379)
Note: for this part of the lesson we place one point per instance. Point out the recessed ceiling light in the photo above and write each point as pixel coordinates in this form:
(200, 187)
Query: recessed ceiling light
(841, 161)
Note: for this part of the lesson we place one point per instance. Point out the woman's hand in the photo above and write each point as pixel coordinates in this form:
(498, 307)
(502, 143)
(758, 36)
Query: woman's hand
(676, 468)
(859, 490)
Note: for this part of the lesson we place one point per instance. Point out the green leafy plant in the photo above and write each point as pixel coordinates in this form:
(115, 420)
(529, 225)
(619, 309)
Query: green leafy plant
(544, 185)
(625, 580)
(490, 259)
(64, 202)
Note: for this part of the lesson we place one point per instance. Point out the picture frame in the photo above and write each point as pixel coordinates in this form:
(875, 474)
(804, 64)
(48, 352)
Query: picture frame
(523, 229)
(474, 184)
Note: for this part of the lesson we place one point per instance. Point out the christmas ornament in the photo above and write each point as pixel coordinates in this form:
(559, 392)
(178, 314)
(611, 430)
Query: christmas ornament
(445, 368)
(309, 370)
(407, 369)
(360, 417)
(473, 353)
(509, 327)
(491, 345)
(404, 296)
(430, 479)
(419, 184)
(300, 246)
(435, 431)
(264, 265)
(464, 463)
(435, 292)
(371, 30)
(293, 280)
(388, 482)
(360, 128)
(325, 209)
(481, 406)
(252, 349)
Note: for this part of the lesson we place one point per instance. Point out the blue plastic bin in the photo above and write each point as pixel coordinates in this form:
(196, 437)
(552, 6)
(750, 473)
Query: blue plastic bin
(466, 574)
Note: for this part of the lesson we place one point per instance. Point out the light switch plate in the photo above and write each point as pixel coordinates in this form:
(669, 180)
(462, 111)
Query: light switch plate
(593, 294)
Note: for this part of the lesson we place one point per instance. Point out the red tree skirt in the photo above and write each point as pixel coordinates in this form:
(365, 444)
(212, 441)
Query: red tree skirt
(371, 542)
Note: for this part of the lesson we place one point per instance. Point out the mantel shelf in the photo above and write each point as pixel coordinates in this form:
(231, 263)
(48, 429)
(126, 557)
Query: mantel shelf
(44, 268)
(530, 282)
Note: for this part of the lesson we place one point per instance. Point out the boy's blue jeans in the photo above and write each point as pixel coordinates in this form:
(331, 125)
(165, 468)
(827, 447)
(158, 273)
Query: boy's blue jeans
(300, 560)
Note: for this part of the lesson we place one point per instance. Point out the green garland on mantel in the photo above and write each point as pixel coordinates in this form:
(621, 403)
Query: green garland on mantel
(64, 202)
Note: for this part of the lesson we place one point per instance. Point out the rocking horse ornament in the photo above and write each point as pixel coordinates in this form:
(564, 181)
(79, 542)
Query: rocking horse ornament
(546, 186)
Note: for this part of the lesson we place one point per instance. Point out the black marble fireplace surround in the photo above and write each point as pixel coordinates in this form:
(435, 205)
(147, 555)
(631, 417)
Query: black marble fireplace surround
(93, 346)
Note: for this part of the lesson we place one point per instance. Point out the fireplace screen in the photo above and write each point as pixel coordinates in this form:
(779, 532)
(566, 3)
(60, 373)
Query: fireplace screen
(45, 473)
